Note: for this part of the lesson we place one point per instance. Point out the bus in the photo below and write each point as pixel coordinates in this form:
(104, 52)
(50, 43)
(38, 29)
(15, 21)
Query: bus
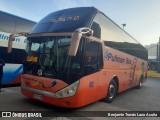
(77, 56)
(11, 24)
(13, 61)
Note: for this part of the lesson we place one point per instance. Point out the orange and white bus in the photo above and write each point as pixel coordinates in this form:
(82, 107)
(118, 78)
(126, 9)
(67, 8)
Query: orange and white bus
(77, 56)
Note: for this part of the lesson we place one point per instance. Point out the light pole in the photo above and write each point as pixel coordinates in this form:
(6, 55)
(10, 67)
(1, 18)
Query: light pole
(123, 25)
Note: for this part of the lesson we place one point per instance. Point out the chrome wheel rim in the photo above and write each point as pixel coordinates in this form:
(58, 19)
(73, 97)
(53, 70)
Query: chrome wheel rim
(140, 83)
(111, 91)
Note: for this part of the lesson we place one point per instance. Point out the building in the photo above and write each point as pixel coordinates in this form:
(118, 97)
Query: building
(13, 24)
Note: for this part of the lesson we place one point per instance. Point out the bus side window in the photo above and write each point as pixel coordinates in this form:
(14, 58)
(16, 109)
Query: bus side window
(97, 30)
(93, 57)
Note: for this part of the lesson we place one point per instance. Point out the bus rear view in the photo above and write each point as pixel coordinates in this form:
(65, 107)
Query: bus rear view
(67, 65)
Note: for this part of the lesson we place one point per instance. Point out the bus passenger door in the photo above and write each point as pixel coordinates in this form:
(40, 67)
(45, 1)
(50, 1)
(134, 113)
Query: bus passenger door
(93, 64)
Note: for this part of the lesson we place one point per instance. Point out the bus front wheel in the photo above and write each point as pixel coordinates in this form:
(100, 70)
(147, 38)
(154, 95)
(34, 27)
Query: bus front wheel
(112, 91)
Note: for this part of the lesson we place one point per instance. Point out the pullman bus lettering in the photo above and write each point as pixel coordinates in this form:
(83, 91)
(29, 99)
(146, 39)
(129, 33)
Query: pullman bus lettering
(116, 58)
(63, 19)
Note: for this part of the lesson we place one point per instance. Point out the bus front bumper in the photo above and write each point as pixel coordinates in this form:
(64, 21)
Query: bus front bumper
(50, 98)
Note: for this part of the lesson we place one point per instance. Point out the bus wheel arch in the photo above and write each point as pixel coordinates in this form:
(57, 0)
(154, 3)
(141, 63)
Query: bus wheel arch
(115, 78)
(112, 90)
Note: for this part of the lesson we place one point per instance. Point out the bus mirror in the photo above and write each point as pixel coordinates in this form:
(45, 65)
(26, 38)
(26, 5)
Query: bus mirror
(10, 43)
(11, 38)
(76, 36)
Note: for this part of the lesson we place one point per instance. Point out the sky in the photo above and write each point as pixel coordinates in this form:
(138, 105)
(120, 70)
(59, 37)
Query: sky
(141, 17)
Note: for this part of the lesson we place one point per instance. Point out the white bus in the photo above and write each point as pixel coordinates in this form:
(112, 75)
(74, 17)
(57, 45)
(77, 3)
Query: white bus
(13, 61)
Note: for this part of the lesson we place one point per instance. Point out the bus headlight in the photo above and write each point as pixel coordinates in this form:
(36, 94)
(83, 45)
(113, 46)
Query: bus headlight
(68, 91)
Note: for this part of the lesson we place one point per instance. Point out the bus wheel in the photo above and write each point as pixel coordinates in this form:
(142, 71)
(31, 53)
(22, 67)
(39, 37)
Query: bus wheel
(140, 83)
(112, 91)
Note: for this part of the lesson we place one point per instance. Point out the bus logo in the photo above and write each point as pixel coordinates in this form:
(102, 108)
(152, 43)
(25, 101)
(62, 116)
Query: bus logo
(91, 84)
(39, 72)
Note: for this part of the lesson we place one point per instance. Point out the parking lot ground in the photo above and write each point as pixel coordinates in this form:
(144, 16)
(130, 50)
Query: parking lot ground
(145, 99)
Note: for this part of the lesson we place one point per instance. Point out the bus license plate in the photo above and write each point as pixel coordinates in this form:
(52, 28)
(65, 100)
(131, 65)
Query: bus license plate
(37, 96)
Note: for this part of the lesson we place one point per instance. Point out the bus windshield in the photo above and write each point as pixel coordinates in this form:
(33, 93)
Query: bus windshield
(52, 58)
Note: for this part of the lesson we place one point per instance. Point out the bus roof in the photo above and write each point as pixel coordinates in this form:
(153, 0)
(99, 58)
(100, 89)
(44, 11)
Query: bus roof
(70, 19)
(66, 20)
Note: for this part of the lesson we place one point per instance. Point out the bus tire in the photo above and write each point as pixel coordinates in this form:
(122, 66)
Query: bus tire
(112, 91)
(139, 86)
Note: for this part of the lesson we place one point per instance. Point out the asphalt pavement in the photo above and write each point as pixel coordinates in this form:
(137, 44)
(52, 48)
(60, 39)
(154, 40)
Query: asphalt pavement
(145, 99)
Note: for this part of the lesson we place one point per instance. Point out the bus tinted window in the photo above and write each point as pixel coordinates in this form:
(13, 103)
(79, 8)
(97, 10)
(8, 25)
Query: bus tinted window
(93, 57)
(115, 37)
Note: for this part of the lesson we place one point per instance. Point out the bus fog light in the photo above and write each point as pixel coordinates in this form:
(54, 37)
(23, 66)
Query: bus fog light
(68, 103)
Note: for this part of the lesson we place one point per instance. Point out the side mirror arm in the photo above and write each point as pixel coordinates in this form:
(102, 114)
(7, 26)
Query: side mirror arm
(10, 43)
(11, 38)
